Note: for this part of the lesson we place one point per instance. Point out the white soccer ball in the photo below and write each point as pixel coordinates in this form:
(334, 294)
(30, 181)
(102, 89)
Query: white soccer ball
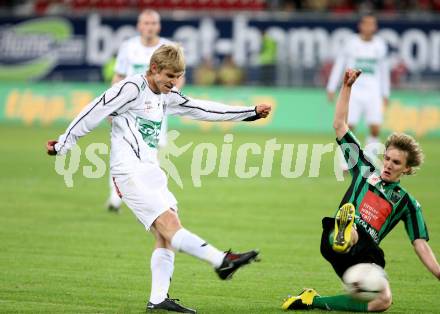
(364, 281)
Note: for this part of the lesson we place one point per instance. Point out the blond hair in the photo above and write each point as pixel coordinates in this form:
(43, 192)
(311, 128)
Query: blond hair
(408, 144)
(168, 57)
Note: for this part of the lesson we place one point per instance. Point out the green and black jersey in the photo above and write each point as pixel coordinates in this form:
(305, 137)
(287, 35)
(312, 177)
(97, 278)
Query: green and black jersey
(379, 205)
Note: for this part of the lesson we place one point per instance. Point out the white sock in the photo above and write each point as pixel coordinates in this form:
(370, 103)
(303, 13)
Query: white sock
(191, 244)
(162, 268)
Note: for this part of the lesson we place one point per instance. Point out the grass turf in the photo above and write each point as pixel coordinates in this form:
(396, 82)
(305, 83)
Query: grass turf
(61, 252)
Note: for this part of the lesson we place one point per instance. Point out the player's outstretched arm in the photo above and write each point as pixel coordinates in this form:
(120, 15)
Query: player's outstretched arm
(50, 147)
(340, 121)
(263, 110)
(206, 110)
(117, 98)
(427, 257)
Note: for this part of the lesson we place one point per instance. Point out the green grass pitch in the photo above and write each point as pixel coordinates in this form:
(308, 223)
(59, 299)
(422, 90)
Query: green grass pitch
(61, 252)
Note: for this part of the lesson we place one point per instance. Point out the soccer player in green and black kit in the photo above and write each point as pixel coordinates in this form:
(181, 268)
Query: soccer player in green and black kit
(372, 206)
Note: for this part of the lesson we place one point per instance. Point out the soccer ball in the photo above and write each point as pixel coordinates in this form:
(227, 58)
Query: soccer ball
(364, 281)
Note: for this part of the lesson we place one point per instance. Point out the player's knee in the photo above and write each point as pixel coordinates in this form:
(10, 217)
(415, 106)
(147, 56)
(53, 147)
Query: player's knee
(161, 242)
(384, 303)
(167, 224)
(388, 303)
(174, 223)
(387, 297)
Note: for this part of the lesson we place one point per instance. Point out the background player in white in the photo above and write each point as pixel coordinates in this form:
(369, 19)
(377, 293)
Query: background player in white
(366, 52)
(134, 58)
(138, 105)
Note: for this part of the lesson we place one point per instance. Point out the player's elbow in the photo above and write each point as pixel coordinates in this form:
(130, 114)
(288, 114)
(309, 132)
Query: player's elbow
(420, 246)
(340, 128)
(419, 243)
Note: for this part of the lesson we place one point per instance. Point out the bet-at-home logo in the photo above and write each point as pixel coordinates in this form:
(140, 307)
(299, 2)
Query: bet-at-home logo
(31, 49)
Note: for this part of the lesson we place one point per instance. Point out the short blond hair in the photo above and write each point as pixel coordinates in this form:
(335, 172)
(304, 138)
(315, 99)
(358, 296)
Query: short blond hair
(408, 144)
(168, 57)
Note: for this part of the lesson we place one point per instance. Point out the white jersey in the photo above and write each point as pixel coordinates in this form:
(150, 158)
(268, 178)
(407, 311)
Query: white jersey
(368, 56)
(137, 118)
(134, 57)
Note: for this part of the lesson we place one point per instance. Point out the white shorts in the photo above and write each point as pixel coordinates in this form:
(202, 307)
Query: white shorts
(370, 105)
(145, 192)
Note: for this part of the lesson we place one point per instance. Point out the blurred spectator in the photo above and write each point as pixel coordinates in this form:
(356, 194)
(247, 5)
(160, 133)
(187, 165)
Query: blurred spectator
(107, 70)
(7, 3)
(389, 6)
(205, 74)
(267, 59)
(398, 74)
(428, 5)
(39, 7)
(292, 5)
(423, 5)
(229, 73)
(341, 6)
(317, 5)
(42, 7)
(435, 5)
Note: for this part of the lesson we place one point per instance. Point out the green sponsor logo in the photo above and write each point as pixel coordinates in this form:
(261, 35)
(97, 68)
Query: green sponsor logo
(150, 131)
(59, 28)
(139, 68)
(367, 65)
(32, 47)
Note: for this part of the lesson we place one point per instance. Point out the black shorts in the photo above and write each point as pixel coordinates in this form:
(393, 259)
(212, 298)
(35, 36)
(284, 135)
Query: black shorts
(364, 251)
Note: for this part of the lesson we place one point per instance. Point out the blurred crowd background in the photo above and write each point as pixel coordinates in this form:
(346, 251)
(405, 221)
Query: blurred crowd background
(226, 42)
(126, 6)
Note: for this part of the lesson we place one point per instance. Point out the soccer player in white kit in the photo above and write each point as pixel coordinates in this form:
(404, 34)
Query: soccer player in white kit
(137, 105)
(368, 53)
(134, 58)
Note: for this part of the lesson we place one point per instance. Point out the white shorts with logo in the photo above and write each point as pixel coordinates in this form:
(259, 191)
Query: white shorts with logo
(365, 103)
(145, 192)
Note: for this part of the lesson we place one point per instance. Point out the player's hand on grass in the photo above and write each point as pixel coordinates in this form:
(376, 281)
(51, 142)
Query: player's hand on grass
(350, 77)
(263, 110)
(50, 148)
